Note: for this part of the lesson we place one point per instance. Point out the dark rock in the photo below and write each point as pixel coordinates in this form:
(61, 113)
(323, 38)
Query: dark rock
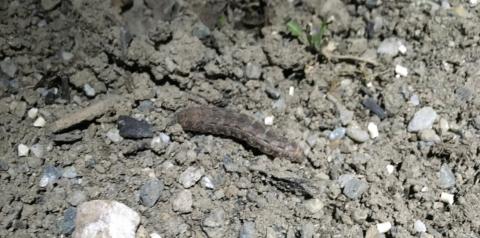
(3, 165)
(373, 106)
(132, 128)
(68, 137)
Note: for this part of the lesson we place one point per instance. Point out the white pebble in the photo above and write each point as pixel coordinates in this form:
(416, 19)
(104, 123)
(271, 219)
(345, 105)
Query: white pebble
(269, 120)
(384, 227)
(89, 91)
(114, 135)
(38, 150)
(372, 130)
(32, 113)
(422, 120)
(291, 91)
(473, 3)
(40, 122)
(155, 235)
(446, 197)
(420, 226)
(400, 70)
(414, 100)
(444, 127)
(390, 169)
(402, 48)
(23, 150)
(424, 189)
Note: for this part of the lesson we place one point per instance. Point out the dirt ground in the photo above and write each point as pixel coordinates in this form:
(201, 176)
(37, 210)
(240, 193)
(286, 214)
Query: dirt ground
(382, 64)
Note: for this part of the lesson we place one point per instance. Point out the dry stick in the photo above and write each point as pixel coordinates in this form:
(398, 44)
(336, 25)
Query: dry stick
(85, 114)
(348, 57)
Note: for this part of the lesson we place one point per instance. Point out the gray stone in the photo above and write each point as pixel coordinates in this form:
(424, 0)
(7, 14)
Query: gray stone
(68, 224)
(446, 178)
(183, 202)
(308, 230)
(353, 187)
(150, 192)
(38, 150)
(8, 67)
(50, 175)
(69, 172)
(3, 165)
(312, 140)
(337, 134)
(248, 230)
(191, 176)
(200, 30)
(273, 92)
(106, 219)
(346, 115)
(314, 205)
(429, 135)
(422, 120)
(207, 182)
(357, 134)
(253, 71)
(145, 106)
(389, 47)
(49, 4)
(76, 197)
(216, 218)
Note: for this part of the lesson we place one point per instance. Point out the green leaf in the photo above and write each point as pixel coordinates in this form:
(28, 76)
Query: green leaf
(316, 39)
(297, 31)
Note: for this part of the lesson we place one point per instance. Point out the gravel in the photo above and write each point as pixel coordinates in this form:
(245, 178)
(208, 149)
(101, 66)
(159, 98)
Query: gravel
(337, 134)
(68, 224)
(132, 128)
(50, 175)
(190, 176)
(248, 230)
(446, 178)
(357, 134)
(150, 192)
(183, 201)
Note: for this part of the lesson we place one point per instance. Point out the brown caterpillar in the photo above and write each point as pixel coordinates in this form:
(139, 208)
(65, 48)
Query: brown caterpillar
(218, 121)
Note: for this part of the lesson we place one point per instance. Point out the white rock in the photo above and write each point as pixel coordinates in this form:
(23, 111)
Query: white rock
(390, 169)
(384, 227)
(429, 135)
(414, 100)
(23, 150)
(89, 90)
(389, 46)
(444, 127)
(190, 176)
(422, 120)
(269, 120)
(155, 235)
(372, 130)
(106, 219)
(402, 48)
(473, 3)
(447, 197)
(420, 226)
(400, 70)
(183, 201)
(291, 91)
(314, 205)
(32, 113)
(40, 122)
(114, 135)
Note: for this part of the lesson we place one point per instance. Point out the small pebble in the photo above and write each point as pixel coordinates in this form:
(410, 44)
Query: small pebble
(390, 169)
(402, 48)
(353, 187)
(191, 176)
(473, 3)
(447, 198)
(269, 120)
(337, 134)
(38, 150)
(77, 197)
(314, 205)
(308, 230)
(200, 30)
(155, 235)
(89, 90)
(423, 119)
(357, 134)
(446, 178)
(68, 223)
(414, 100)
(114, 135)
(444, 127)
(183, 202)
(164, 138)
(66, 56)
(389, 47)
(9, 67)
(145, 106)
(40, 122)
(429, 135)
(400, 70)
(248, 230)
(207, 182)
(273, 92)
(32, 113)
(69, 172)
(3, 165)
(384, 227)
(150, 192)
(50, 176)
(372, 130)
(420, 226)
(253, 71)
(132, 128)
(23, 150)
(216, 218)
(291, 91)
(346, 115)
(373, 106)
(312, 140)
